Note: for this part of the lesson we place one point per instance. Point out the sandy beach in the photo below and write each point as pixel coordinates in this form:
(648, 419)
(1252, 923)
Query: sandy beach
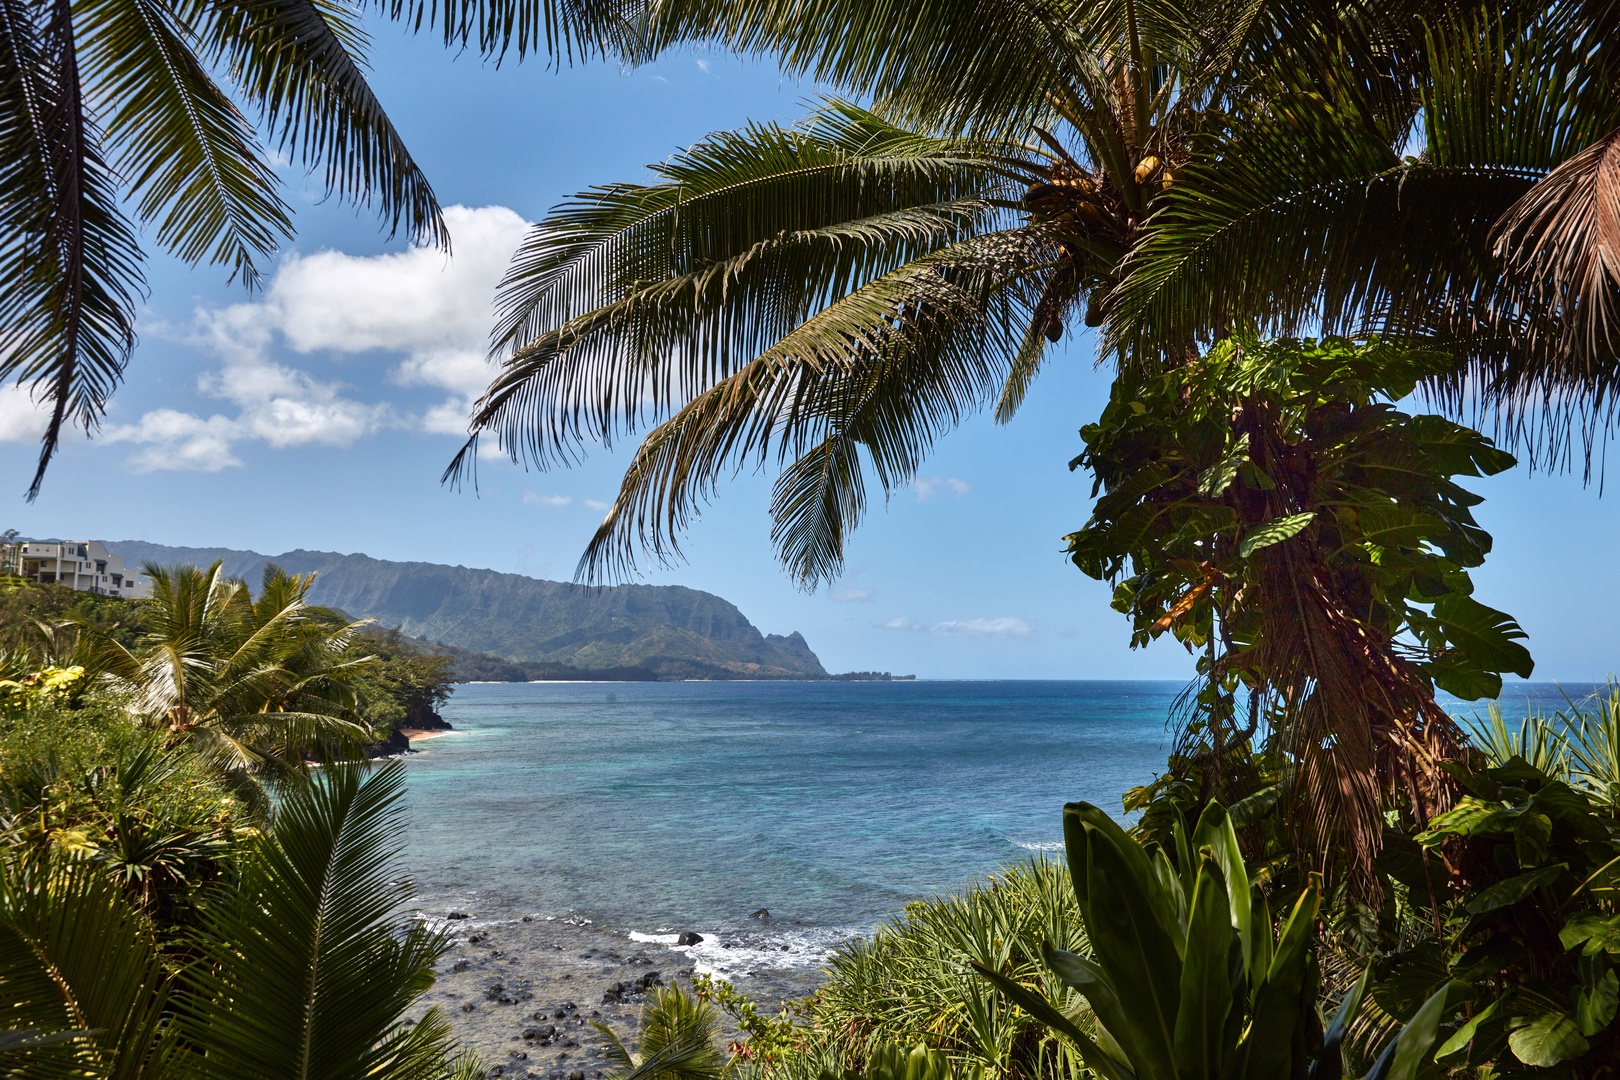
(523, 993)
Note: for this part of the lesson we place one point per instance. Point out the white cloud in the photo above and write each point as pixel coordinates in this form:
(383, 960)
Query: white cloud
(852, 594)
(21, 418)
(596, 504)
(534, 498)
(1004, 627)
(927, 487)
(177, 440)
(703, 66)
(430, 310)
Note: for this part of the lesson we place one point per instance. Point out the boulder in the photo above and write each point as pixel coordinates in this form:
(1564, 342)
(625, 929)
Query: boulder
(687, 937)
(760, 914)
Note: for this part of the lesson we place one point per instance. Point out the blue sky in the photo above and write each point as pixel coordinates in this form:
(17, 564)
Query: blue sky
(321, 412)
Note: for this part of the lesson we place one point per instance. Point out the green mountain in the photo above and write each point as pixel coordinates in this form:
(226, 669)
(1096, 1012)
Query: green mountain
(627, 631)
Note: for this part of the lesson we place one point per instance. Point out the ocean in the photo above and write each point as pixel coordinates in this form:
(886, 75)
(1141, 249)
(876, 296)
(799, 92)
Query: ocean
(654, 808)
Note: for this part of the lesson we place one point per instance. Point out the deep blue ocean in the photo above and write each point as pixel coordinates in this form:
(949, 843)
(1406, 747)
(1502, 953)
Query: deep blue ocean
(649, 807)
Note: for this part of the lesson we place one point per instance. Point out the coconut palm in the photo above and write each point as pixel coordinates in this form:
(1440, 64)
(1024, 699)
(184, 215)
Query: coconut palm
(834, 295)
(122, 116)
(249, 681)
(1476, 208)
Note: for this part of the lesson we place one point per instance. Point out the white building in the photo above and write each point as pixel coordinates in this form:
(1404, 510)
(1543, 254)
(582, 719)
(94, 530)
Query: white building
(84, 565)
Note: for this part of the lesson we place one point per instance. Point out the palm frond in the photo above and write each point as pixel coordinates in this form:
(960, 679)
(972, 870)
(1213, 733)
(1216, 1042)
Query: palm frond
(74, 956)
(193, 161)
(313, 968)
(301, 63)
(70, 259)
(868, 382)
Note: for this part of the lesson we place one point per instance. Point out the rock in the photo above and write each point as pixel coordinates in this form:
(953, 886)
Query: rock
(458, 915)
(528, 918)
(477, 938)
(459, 965)
(576, 1074)
(760, 914)
(687, 937)
(469, 1007)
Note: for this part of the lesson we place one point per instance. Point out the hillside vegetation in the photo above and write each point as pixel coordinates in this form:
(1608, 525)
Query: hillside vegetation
(629, 631)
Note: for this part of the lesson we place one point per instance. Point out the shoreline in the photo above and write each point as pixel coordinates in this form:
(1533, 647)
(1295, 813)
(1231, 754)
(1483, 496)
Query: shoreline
(524, 992)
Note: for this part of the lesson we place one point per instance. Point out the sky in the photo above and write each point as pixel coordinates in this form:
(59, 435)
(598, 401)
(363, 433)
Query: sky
(319, 413)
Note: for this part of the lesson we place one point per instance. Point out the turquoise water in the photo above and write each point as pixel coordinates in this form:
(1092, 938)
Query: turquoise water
(655, 806)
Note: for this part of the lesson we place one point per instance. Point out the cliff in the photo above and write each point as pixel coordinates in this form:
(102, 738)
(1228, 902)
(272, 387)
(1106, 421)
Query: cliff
(646, 631)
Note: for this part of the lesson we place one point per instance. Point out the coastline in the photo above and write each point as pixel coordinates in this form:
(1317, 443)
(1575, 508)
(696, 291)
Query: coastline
(524, 992)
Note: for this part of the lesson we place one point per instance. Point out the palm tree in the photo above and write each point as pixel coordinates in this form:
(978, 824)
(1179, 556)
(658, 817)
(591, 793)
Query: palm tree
(303, 968)
(1473, 207)
(678, 1040)
(832, 296)
(249, 682)
(118, 116)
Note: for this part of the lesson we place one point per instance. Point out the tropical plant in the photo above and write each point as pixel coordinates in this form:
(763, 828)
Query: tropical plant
(835, 295)
(679, 1040)
(251, 682)
(114, 110)
(302, 967)
(1270, 508)
(893, 1062)
(1184, 976)
(1526, 934)
(1467, 200)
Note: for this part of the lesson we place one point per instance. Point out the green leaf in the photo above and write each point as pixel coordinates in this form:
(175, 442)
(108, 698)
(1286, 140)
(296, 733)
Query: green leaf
(1599, 932)
(1465, 1034)
(1043, 1011)
(1274, 532)
(1598, 996)
(1547, 1040)
(1130, 944)
(1514, 889)
(1488, 637)
(1206, 978)
(1215, 831)
(1214, 481)
(1457, 674)
(1267, 1046)
(1416, 1038)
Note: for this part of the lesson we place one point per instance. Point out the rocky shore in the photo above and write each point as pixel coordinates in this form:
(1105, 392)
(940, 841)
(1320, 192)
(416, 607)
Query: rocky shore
(524, 992)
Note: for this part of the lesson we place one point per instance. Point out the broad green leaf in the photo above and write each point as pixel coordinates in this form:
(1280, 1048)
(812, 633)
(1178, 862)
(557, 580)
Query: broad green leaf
(1267, 1046)
(1465, 1034)
(1415, 1040)
(1456, 673)
(1042, 1010)
(1214, 481)
(1274, 532)
(1333, 1037)
(1079, 973)
(1206, 978)
(1514, 889)
(1547, 1040)
(1215, 831)
(1597, 931)
(1490, 638)
(1597, 997)
(1130, 944)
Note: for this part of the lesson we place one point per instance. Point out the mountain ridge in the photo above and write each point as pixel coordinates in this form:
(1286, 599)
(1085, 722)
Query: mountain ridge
(667, 631)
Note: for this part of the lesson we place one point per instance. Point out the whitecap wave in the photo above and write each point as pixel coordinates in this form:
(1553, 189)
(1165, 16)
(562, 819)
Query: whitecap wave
(727, 955)
(1038, 845)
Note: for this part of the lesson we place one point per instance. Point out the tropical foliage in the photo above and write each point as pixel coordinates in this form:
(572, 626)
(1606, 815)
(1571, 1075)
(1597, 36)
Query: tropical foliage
(299, 966)
(119, 117)
(1270, 508)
